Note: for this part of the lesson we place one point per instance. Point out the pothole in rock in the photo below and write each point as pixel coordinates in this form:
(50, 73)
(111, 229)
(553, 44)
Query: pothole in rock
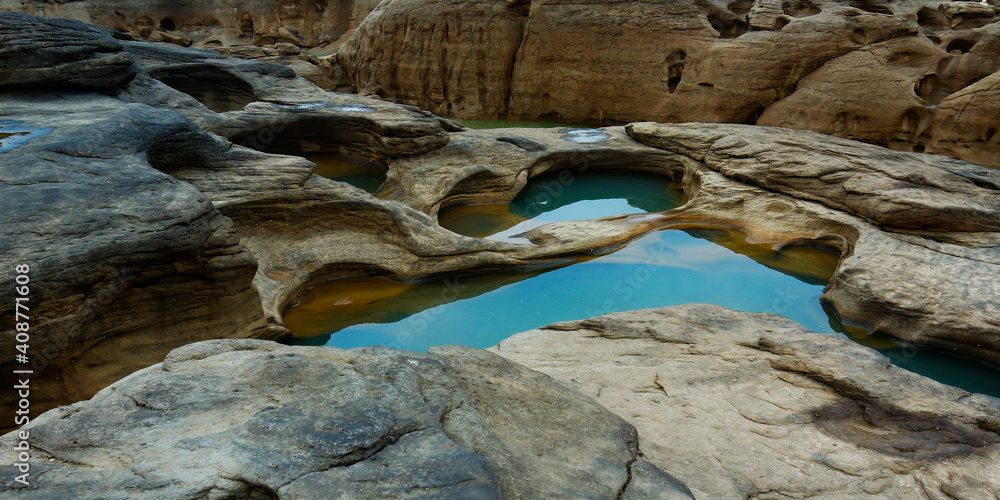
(218, 90)
(354, 171)
(663, 268)
(584, 135)
(564, 196)
(14, 134)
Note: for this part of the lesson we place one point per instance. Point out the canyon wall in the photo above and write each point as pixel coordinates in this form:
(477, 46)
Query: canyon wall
(914, 76)
(206, 23)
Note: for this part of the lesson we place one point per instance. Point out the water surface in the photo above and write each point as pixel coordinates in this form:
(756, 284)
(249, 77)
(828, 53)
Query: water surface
(357, 173)
(664, 268)
(562, 196)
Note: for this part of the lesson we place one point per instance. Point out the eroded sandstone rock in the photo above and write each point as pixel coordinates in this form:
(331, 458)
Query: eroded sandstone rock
(254, 419)
(916, 233)
(36, 52)
(892, 73)
(740, 405)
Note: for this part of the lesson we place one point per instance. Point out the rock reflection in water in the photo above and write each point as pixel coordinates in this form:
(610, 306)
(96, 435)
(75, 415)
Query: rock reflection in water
(562, 196)
(663, 268)
(357, 173)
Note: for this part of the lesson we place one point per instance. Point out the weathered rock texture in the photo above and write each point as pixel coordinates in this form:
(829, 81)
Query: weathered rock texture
(206, 23)
(901, 74)
(254, 419)
(114, 204)
(299, 34)
(740, 405)
(37, 52)
(126, 261)
(917, 233)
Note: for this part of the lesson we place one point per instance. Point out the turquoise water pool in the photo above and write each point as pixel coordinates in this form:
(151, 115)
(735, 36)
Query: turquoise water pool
(663, 268)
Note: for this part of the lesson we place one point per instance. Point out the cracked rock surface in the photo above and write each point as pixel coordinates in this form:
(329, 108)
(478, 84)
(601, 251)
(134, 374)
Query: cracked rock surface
(254, 419)
(740, 405)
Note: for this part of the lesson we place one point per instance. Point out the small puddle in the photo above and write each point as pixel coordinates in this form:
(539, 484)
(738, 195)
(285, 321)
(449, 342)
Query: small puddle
(353, 108)
(356, 172)
(564, 196)
(15, 134)
(663, 268)
(585, 135)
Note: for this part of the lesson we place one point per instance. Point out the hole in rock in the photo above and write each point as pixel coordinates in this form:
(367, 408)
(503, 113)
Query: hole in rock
(521, 8)
(663, 268)
(246, 28)
(799, 8)
(674, 73)
(859, 36)
(918, 148)
(727, 24)
(960, 45)
(752, 117)
(930, 17)
(354, 171)
(218, 90)
(333, 161)
(562, 196)
(168, 25)
(873, 6)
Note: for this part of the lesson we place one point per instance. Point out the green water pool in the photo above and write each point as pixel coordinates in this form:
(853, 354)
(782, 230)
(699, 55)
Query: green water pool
(357, 173)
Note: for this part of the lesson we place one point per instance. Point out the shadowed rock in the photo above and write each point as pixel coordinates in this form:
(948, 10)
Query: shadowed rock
(36, 52)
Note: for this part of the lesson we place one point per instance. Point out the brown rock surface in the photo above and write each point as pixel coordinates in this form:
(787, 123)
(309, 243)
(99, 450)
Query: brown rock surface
(740, 405)
(849, 68)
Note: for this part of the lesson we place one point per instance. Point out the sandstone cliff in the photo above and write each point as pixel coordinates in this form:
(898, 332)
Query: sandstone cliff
(900, 74)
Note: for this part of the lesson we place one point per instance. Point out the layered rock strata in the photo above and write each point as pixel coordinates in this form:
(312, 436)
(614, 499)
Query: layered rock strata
(914, 76)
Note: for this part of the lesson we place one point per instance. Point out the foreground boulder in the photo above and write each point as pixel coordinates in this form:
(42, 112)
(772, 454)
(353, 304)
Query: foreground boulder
(254, 419)
(740, 405)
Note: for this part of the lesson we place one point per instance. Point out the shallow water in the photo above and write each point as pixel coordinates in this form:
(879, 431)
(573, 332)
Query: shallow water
(15, 134)
(661, 269)
(564, 196)
(354, 172)
(664, 268)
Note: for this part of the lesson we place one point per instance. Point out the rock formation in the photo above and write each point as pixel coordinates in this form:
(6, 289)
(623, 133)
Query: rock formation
(739, 405)
(900, 74)
(254, 419)
(917, 233)
(298, 34)
(161, 209)
(62, 54)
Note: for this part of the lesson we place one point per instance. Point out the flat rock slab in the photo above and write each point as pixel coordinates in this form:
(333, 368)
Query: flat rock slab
(741, 405)
(255, 419)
